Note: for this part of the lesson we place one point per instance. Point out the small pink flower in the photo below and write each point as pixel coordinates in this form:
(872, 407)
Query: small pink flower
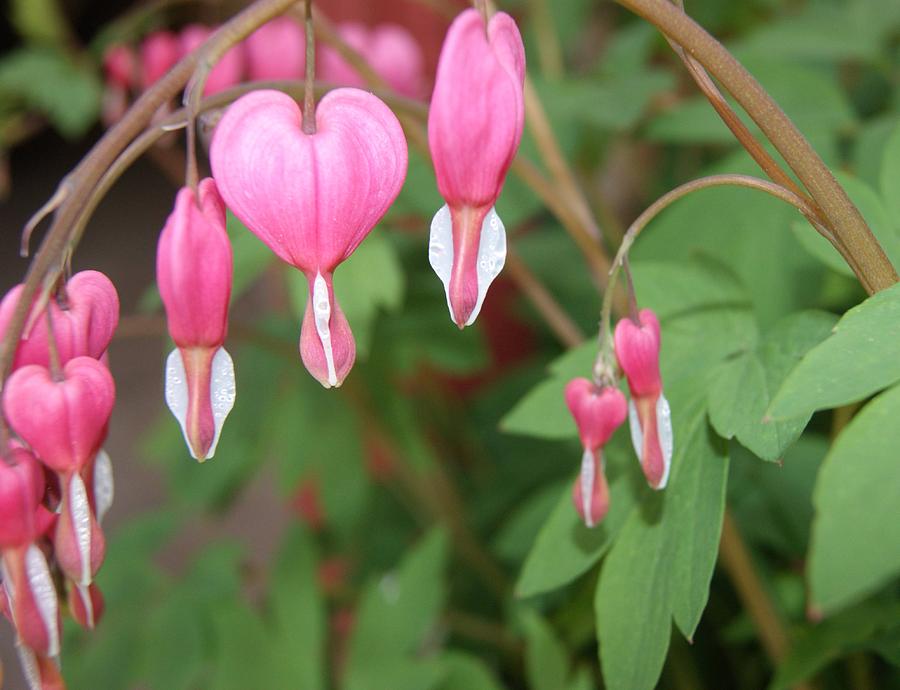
(83, 323)
(637, 349)
(228, 72)
(474, 127)
(159, 53)
(120, 66)
(276, 50)
(32, 600)
(21, 489)
(193, 269)
(390, 50)
(598, 412)
(312, 198)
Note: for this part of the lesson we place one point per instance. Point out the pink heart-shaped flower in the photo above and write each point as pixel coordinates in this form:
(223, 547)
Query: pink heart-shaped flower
(598, 412)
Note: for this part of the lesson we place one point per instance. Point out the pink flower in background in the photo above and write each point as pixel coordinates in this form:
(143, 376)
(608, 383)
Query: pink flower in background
(276, 50)
(637, 349)
(391, 50)
(160, 50)
(474, 127)
(120, 70)
(229, 70)
(598, 412)
(83, 322)
(193, 270)
(312, 198)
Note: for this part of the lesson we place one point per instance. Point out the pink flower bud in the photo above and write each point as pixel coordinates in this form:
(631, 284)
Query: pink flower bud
(229, 70)
(159, 53)
(32, 599)
(276, 50)
(64, 421)
(86, 605)
(474, 127)
(312, 198)
(598, 412)
(21, 489)
(193, 269)
(390, 50)
(83, 325)
(120, 66)
(637, 349)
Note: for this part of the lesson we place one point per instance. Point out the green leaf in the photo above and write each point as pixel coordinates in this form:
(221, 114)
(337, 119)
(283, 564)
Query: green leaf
(298, 614)
(516, 536)
(660, 566)
(565, 548)
(243, 657)
(466, 672)
(48, 81)
(251, 256)
(395, 615)
(173, 645)
(744, 386)
(856, 535)
(546, 659)
(859, 359)
(40, 21)
(890, 178)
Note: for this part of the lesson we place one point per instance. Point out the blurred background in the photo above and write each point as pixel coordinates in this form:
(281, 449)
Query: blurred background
(371, 538)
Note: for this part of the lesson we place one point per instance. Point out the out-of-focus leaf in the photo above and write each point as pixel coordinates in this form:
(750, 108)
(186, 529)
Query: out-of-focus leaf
(47, 81)
(298, 615)
(661, 563)
(39, 21)
(546, 659)
(856, 534)
(629, 48)
(890, 179)
(174, 633)
(466, 672)
(818, 645)
(860, 358)
(243, 656)
(516, 536)
(394, 618)
(251, 256)
(744, 386)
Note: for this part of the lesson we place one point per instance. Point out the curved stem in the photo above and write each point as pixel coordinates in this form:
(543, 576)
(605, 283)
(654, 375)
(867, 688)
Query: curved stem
(863, 252)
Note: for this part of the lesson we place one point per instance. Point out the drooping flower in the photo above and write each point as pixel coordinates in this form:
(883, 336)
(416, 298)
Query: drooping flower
(229, 70)
(312, 198)
(637, 349)
(276, 50)
(193, 270)
(83, 322)
(474, 127)
(160, 51)
(598, 412)
(390, 50)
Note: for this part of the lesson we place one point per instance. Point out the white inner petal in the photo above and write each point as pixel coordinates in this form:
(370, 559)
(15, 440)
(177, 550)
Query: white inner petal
(29, 665)
(104, 488)
(44, 593)
(664, 429)
(85, 594)
(322, 313)
(80, 513)
(587, 485)
(491, 253)
(634, 425)
(222, 393)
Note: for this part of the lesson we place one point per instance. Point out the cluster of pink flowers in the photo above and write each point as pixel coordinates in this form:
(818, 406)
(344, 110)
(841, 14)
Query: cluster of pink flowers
(600, 409)
(275, 51)
(55, 479)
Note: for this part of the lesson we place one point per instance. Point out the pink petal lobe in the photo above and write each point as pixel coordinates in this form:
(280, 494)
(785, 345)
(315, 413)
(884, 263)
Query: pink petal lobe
(637, 349)
(159, 52)
(276, 50)
(327, 347)
(598, 412)
(229, 70)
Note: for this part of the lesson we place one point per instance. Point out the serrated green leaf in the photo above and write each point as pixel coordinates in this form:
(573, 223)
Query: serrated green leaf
(856, 535)
(661, 564)
(744, 386)
(860, 358)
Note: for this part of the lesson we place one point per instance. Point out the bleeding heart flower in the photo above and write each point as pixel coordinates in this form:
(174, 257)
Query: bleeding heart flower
(598, 412)
(276, 50)
(120, 70)
(637, 349)
(229, 70)
(193, 270)
(474, 127)
(160, 51)
(390, 50)
(312, 198)
(41, 671)
(83, 322)
(32, 598)
(21, 489)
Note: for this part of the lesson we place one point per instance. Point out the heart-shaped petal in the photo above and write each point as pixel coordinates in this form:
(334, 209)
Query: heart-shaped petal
(311, 198)
(598, 412)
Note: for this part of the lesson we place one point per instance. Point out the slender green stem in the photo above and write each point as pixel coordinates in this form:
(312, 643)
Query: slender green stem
(309, 91)
(862, 251)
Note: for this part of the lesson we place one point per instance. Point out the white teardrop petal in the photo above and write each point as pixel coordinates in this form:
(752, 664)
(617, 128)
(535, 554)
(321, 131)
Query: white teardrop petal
(177, 391)
(586, 478)
(491, 253)
(44, 592)
(104, 487)
(322, 314)
(80, 513)
(634, 425)
(88, 603)
(28, 662)
(664, 429)
(222, 392)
